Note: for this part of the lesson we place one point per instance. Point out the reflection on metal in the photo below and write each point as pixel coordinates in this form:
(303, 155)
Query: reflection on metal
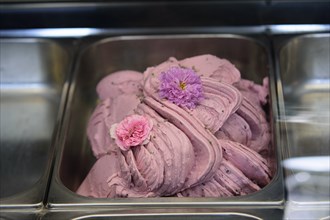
(172, 216)
(66, 32)
(83, 32)
(306, 211)
(294, 28)
(313, 164)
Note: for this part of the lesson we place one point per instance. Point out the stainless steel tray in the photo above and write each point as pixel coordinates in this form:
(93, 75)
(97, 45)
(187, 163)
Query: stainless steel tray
(304, 84)
(74, 159)
(33, 75)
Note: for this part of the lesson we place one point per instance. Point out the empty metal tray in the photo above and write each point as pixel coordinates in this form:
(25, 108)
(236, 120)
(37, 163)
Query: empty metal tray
(304, 76)
(74, 160)
(33, 74)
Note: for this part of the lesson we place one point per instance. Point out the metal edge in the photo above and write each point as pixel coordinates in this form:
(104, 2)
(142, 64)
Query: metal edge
(85, 32)
(253, 212)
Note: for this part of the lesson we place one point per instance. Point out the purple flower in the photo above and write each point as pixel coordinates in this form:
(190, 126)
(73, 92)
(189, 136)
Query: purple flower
(182, 86)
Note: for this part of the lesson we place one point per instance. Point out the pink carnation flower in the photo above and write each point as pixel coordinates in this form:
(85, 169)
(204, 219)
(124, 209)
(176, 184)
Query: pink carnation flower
(132, 131)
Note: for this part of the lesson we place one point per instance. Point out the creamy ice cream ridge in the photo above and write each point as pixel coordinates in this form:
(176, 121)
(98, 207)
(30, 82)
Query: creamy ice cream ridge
(184, 128)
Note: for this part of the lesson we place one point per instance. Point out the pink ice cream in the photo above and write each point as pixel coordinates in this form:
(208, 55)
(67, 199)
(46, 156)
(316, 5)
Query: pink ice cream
(118, 83)
(119, 94)
(216, 149)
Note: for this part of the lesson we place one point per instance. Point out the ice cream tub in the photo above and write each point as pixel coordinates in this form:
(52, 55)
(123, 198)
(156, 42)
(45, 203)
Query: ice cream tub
(33, 88)
(98, 58)
(303, 69)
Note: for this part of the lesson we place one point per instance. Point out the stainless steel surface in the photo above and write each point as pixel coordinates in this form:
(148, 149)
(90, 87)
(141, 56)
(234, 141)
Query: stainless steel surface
(17, 215)
(316, 211)
(304, 72)
(75, 158)
(229, 213)
(33, 73)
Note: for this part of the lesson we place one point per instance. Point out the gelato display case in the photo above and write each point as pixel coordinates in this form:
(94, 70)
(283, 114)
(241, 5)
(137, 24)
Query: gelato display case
(53, 54)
